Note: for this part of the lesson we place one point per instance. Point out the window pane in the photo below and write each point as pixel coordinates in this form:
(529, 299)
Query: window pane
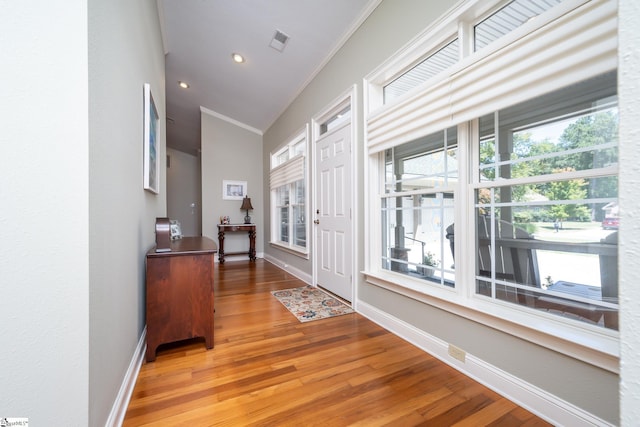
(415, 236)
(282, 196)
(434, 64)
(280, 158)
(299, 229)
(425, 163)
(284, 224)
(299, 192)
(508, 19)
(282, 209)
(335, 121)
(549, 241)
(567, 268)
(583, 142)
(299, 224)
(300, 148)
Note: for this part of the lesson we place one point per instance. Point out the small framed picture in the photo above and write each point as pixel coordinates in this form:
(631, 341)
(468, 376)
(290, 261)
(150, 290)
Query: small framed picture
(151, 159)
(176, 229)
(234, 190)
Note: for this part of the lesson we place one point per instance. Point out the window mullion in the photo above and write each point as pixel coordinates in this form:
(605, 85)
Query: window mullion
(465, 272)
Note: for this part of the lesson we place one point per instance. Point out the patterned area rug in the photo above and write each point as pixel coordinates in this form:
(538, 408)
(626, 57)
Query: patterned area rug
(309, 303)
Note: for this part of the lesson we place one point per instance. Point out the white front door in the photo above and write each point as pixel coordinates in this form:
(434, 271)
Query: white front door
(333, 222)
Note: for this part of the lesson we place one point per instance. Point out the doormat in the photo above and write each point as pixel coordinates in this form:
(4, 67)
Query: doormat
(308, 303)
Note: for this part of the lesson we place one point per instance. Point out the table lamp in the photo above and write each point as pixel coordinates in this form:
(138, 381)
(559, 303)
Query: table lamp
(246, 206)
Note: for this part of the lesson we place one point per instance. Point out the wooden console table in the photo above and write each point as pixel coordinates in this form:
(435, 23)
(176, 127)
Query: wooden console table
(228, 228)
(180, 293)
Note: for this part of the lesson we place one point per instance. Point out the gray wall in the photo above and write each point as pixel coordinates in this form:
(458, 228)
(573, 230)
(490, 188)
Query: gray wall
(44, 268)
(393, 24)
(230, 152)
(125, 52)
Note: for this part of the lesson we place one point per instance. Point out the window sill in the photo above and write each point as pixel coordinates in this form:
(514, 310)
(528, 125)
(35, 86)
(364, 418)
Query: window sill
(302, 253)
(596, 346)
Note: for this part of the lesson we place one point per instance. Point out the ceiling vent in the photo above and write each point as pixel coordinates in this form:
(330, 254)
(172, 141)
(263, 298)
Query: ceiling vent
(279, 41)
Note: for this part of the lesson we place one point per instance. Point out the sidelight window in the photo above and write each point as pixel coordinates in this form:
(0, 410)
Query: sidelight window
(289, 195)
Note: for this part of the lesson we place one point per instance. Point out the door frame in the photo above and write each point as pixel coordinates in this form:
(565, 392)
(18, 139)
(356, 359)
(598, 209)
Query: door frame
(347, 98)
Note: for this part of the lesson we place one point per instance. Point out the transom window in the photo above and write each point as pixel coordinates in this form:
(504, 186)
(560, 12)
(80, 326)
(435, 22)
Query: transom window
(508, 19)
(335, 121)
(428, 68)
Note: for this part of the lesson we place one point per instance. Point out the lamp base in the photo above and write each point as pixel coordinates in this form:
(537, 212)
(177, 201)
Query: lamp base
(247, 219)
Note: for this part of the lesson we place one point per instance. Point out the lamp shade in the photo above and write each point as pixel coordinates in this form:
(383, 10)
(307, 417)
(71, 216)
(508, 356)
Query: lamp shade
(246, 204)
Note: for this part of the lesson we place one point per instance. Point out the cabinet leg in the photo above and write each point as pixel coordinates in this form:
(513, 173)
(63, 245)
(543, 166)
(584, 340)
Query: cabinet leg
(150, 355)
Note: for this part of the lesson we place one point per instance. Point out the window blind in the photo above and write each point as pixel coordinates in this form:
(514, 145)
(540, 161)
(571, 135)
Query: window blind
(579, 44)
(290, 171)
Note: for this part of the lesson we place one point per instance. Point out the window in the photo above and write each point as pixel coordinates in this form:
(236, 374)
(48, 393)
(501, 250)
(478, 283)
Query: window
(508, 19)
(502, 172)
(431, 66)
(417, 204)
(335, 121)
(546, 182)
(289, 195)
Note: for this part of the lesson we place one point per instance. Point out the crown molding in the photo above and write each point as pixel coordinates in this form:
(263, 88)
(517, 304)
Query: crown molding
(230, 120)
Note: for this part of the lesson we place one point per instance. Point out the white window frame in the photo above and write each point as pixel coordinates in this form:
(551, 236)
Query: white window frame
(291, 147)
(403, 119)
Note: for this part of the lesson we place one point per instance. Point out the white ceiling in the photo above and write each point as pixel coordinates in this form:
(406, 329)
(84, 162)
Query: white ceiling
(200, 36)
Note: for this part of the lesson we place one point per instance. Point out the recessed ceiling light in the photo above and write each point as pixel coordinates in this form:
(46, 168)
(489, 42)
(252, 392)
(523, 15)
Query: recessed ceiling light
(237, 58)
(183, 85)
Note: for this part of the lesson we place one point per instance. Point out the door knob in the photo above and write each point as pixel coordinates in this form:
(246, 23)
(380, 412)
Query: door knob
(317, 221)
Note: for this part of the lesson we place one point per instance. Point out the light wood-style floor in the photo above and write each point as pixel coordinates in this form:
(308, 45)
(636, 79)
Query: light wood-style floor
(268, 369)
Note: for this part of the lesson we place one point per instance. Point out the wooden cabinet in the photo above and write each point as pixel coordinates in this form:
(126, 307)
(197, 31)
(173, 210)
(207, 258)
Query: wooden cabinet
(180, 293)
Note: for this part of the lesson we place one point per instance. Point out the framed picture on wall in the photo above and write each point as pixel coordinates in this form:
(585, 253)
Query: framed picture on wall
(234, 190)
(151, 159)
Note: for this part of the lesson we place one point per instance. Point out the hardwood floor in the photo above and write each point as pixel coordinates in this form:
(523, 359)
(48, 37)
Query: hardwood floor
(266, 368)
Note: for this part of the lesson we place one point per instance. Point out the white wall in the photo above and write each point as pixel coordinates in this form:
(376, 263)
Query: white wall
(44, 269)
(629, 93)
(125, 52)
(230, 152)
(183, 191)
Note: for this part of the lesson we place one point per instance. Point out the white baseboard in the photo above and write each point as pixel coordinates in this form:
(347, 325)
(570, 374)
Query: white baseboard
(119, 408)
(305, 277)
(545, 405)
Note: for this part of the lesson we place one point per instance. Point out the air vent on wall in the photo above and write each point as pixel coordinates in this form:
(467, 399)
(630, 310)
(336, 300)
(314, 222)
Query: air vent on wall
(279, 41)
